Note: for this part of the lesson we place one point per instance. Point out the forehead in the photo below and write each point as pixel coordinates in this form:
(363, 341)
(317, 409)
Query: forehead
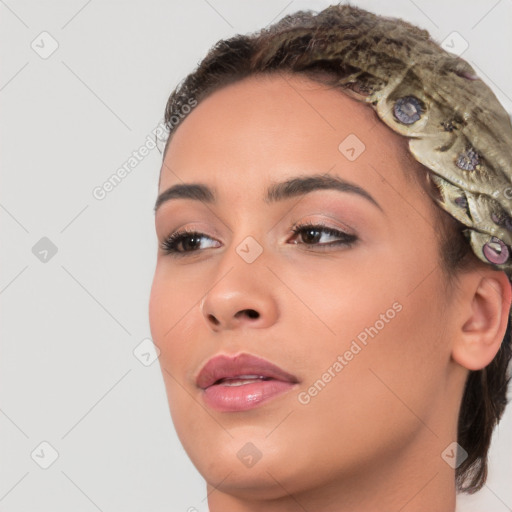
(267, 126)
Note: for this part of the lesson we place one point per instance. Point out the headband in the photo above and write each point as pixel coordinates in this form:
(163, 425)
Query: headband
(454, 123)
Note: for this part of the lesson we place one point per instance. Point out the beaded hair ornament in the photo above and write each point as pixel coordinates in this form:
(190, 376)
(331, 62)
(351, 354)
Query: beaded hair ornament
(454, 123)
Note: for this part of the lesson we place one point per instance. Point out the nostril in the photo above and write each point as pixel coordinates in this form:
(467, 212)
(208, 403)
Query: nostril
(251, 313)
(213, 319)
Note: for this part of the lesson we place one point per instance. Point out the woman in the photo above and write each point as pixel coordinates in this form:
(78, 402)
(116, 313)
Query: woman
(332, 293)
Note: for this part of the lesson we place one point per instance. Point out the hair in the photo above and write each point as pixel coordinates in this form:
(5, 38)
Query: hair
(279, 48)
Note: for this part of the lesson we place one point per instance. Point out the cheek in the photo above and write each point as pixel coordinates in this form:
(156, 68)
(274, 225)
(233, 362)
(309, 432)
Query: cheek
(401, 370)
(381, 398)
(158, 308)
(170, 306)
(389, 332)
(176, 325)
(169, 315)
(171, 301)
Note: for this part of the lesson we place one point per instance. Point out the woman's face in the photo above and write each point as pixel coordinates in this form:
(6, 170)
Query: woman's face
(363, 325)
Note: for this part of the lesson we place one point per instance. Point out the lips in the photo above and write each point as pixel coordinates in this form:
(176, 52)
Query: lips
(227, 370)
(242, 382)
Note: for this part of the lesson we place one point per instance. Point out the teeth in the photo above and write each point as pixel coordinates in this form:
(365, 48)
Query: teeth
(240, 380)
(237, 382)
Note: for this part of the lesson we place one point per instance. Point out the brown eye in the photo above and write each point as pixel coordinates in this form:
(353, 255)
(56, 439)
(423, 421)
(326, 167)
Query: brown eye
(189, 241)
(311, 234)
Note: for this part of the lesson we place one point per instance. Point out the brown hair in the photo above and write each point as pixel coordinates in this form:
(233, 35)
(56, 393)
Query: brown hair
(280, 48)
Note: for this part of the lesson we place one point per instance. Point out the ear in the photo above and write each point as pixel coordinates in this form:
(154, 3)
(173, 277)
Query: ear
(488, 295)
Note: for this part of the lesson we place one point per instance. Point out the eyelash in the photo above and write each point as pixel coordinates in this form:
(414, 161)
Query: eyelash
(170, 244)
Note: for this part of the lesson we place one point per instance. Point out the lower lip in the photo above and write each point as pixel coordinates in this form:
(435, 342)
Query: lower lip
(244, 397)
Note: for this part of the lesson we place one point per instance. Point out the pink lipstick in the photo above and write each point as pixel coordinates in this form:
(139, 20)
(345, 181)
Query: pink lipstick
(241, 382)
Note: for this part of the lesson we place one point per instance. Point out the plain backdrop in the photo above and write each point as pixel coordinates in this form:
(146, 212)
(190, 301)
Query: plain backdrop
(82, 86)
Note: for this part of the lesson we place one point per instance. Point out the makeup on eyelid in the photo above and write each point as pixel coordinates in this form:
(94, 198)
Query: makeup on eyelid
(341, 215)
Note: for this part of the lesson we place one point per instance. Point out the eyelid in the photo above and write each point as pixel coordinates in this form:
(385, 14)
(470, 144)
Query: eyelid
(213, 233)
(201, 227)
(332, 223)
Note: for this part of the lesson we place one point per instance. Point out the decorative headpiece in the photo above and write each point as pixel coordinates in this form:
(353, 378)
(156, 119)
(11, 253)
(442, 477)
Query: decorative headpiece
(454, 123)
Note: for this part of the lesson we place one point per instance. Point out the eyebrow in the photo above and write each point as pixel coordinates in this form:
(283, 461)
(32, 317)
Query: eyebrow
(276, 192)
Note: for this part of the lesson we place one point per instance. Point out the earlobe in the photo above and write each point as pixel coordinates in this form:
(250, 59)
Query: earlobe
(482, 331)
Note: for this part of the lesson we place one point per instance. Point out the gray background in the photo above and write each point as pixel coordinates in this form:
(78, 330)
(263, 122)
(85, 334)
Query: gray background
(70, 323)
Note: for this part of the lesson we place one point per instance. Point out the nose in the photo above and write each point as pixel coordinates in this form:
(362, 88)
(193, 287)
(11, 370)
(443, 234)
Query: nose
(241, 298)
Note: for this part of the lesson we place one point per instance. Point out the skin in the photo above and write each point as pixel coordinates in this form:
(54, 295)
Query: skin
(372, 438)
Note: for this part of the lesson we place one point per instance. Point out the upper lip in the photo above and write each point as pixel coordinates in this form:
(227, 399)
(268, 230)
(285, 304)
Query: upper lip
(224, 366)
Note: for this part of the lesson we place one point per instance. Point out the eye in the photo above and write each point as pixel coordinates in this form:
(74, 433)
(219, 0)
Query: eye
(189, 240)
(312, 233)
